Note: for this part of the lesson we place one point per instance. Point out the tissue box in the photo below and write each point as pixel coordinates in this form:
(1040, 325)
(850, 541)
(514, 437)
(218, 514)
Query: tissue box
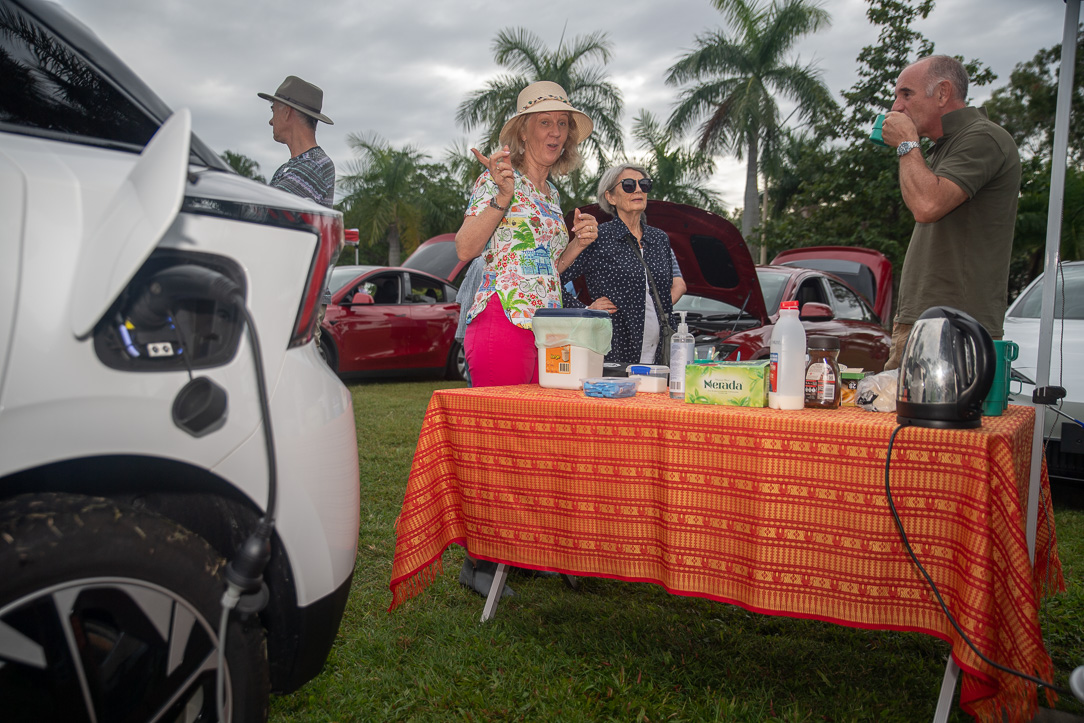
(736, 384)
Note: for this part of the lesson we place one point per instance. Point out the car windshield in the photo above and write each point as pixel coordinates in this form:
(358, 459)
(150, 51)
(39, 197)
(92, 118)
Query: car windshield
(704, 306)
(772, 284)
(341, 276)
(1071, 293)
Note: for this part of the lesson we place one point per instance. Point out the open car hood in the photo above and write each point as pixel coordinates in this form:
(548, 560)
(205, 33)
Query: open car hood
(437, 257)
(866, 271)
(714, 258)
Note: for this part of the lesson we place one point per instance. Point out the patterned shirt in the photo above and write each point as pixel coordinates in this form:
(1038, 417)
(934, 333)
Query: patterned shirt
(309, 175)
(521, 256)
(611, 268)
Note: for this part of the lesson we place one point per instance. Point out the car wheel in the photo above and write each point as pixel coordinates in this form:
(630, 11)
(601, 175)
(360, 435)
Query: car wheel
(457, 363)
(328, 352)
(108, 613)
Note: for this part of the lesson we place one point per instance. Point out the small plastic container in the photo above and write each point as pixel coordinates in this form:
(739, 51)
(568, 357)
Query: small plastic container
(610, 387)
(650, 377)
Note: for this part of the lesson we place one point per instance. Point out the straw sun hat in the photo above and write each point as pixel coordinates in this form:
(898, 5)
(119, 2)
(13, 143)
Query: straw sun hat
(544, 97)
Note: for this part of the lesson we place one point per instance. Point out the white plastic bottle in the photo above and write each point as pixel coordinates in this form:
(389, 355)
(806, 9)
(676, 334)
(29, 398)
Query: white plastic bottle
(787, 374)
(681, 351)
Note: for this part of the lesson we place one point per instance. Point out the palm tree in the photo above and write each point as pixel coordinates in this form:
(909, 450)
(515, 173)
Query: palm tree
(529, 60)
(244, 165)
(734, 79)
(384, 193)
(679, 174)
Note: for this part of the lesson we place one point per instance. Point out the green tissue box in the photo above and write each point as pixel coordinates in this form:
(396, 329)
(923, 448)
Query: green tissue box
(736, 384)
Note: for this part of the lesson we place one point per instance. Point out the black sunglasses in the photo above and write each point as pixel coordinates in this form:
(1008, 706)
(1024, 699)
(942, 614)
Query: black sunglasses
(628, 185)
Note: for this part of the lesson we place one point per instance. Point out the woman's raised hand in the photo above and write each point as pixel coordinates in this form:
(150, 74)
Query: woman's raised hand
(500, 168)
(584, 228)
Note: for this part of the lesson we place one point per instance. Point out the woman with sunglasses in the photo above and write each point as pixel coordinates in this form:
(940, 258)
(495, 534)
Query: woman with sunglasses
(613, 268)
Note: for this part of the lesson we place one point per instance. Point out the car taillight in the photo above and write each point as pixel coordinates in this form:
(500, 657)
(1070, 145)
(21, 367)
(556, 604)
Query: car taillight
(330, 229)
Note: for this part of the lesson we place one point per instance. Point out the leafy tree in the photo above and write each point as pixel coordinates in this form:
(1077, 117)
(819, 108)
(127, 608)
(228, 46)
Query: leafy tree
(735, 79)
(679, 174)
(244, 165)
(384, 192)
(529, 60)
(1027, 105)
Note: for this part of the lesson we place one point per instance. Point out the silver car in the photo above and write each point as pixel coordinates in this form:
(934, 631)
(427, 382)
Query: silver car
(1064, 431)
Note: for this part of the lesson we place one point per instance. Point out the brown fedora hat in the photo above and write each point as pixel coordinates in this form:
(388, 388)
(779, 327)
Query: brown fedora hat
(300, 95)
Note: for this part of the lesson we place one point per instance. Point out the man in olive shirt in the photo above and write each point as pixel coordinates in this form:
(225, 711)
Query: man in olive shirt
(964, 201)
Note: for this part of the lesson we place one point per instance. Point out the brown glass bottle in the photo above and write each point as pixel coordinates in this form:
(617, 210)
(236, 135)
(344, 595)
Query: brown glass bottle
(822, 390)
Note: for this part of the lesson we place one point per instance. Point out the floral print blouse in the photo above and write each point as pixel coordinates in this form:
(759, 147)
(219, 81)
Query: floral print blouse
(521, 255)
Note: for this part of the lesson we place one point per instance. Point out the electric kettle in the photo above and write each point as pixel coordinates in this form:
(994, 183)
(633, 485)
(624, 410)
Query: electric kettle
(946, 371)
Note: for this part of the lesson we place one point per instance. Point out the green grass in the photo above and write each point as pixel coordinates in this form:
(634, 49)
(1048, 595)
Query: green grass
(612, 651)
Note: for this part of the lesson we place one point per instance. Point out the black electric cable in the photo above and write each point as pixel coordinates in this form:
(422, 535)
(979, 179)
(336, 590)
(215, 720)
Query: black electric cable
(937, 593)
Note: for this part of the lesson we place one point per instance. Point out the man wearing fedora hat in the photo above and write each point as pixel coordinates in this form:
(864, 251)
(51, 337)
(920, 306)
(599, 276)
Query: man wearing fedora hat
(295, 109)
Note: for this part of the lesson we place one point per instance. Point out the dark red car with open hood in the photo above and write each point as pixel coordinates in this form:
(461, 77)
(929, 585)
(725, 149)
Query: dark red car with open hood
(732, 304)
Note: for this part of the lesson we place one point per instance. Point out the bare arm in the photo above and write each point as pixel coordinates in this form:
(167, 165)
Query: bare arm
(474, 234)
(677, 289)
(584, 231)
(929, 197)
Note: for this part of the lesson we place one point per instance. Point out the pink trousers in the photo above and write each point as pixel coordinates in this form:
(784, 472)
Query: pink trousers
(499, 353)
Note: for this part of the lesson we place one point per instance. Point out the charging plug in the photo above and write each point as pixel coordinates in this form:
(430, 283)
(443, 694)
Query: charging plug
(244, 573)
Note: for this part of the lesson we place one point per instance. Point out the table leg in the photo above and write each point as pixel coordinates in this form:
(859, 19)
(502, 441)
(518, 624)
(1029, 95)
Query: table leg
(495, 592)
(948, 688)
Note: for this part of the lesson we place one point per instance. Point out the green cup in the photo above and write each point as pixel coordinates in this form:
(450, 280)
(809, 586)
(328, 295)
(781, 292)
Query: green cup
(875, 134)
(1005, 352)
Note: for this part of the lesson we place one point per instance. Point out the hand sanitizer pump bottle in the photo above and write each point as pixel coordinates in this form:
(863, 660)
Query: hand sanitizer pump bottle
(681, 353)
(786, 388)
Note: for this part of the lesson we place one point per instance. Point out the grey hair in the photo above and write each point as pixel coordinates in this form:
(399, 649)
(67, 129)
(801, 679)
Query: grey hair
(609, 181)
(945, 67)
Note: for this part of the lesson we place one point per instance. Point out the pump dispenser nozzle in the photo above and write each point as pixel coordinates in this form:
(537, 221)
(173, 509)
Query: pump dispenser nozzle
(683, 328)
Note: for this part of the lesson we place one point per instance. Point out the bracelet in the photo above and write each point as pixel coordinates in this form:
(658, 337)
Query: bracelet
(503, 209)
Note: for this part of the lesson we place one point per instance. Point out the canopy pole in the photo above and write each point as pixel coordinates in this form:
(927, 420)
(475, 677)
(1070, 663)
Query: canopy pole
(1058, 163)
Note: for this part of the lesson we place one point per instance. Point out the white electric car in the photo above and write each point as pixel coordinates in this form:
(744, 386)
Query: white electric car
(166, 421)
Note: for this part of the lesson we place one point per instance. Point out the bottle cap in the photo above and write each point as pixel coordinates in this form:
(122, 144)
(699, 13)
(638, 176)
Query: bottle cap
(788, 305)
(823, 342)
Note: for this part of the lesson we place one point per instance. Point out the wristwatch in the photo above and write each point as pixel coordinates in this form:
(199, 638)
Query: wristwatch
(493, 204)
(906, 147)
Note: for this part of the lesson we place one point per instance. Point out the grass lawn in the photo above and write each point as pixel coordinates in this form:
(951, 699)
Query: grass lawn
(612, 651)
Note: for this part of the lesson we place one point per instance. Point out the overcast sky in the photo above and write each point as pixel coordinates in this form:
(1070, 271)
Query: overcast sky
(400, 68)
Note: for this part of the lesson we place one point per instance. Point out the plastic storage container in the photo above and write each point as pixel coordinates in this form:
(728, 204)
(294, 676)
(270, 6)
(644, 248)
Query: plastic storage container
(571, 345)
(786, 388)
(609, 387)
(651, 377)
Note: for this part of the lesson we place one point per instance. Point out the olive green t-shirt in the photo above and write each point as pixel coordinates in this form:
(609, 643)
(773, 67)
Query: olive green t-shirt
(962, 260)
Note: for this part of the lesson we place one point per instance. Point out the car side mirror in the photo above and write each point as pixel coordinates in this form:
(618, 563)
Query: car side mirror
(360, 298)
(815, 310)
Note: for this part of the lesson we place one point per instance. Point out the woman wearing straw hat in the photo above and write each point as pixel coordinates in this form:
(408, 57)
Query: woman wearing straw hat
(514, 222)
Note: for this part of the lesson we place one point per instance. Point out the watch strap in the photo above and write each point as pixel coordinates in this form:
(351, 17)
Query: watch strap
(503, 209)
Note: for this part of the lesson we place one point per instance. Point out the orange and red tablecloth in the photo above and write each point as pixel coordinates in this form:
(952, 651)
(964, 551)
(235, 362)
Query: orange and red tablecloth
(780, 512)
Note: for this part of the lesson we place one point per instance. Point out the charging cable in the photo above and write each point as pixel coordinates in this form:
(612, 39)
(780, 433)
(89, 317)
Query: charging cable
(937, 593)
(154, 307)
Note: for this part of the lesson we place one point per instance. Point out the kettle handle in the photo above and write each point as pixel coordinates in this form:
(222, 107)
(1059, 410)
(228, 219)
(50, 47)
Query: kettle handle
(982, 345)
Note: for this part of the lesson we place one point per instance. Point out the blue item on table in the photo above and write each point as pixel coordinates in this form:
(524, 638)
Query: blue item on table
(609, 387)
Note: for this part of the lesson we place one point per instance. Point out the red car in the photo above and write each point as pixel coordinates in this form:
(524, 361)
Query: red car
(391, 321)
(732, 303)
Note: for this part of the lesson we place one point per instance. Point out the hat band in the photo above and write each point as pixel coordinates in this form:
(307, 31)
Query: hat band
(539, 99)
(306, 106)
